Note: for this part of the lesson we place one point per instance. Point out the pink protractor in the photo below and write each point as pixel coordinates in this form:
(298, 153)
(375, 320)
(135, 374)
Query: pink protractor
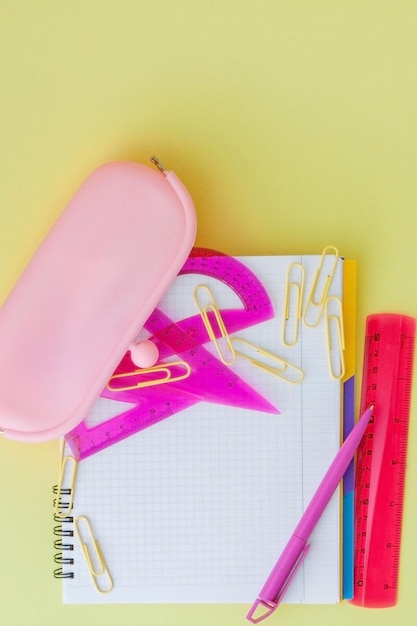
(257, 305)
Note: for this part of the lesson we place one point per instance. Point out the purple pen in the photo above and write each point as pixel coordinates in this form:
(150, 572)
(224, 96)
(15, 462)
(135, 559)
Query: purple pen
(297, 547)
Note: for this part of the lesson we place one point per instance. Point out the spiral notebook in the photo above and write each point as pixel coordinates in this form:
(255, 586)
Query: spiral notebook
(197, 507)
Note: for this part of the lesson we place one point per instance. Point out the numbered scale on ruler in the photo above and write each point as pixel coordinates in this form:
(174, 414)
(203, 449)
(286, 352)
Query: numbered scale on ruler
(381, 458)
(186, 337)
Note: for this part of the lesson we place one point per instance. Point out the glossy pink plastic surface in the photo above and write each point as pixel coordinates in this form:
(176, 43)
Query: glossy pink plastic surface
(86, 293)
(210, 379)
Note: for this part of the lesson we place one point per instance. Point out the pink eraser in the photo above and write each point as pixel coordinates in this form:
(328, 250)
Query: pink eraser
(86, 293)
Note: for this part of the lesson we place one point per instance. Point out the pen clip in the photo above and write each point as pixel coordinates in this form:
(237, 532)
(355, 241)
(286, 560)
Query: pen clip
(292, 573)
(271, 605)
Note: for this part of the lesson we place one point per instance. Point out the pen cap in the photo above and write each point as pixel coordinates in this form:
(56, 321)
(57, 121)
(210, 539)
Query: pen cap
(86, 293)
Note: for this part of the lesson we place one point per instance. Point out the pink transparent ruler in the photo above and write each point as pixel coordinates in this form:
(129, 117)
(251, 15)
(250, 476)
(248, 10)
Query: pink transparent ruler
(149, 408)
(210, 380)
(214, 380)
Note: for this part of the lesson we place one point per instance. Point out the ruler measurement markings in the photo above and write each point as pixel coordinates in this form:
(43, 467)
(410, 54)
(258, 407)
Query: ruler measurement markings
(387, 373)
(85, 441)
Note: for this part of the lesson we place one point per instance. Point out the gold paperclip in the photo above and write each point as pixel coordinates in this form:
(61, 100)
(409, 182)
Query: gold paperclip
(280, 372)
(336, 371)
(214, 309)
(69, 488)
(298, 288)
(314, 300)
(164, 369)
(101, 569)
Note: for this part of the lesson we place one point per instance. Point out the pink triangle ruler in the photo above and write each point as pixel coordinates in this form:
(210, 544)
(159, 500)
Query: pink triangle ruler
(210, 379)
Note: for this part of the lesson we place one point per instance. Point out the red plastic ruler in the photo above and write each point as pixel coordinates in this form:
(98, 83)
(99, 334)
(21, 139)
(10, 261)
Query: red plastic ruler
(381, 459)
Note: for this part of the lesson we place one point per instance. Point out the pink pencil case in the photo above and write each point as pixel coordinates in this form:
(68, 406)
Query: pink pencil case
(86, 293)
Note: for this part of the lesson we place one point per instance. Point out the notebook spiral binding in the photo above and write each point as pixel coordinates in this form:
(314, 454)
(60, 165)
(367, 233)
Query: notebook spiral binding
(64, 532)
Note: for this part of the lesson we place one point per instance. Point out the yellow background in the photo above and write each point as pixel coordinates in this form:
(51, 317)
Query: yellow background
(292, 123)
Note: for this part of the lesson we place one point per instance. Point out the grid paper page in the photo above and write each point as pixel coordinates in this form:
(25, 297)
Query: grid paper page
(198, 507)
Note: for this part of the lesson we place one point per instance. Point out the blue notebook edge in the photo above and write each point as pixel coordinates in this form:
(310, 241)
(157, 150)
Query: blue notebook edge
(348, 495)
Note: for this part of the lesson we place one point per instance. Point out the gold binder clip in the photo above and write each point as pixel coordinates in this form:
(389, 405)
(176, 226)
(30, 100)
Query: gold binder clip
(293, 301)
(322, 280)
(96, 562)
(66, 484)
(212, 307)
(165, 369)
(285, 370)
(335, 339)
